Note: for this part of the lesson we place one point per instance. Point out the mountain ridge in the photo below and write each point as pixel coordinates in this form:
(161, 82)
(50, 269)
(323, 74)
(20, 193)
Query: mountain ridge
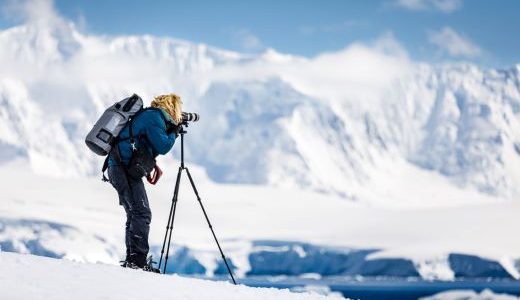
(457, 120)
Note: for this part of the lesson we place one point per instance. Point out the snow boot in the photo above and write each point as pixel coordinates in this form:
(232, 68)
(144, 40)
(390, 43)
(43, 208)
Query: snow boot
(149, 266)
(123, 263)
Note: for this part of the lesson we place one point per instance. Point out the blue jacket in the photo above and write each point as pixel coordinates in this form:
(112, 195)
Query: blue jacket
(149, 130)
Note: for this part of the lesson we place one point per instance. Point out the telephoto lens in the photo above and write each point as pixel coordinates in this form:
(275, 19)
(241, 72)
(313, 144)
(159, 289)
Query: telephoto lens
(190, 117)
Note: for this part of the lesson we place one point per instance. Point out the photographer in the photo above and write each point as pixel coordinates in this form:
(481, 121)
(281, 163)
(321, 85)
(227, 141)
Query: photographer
(151, 132)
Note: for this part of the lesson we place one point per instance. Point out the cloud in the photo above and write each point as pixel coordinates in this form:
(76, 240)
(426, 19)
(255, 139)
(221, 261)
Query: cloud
(361, 72)
(446, 6)
(448, 40)
(247, 40)
(40, 12)
(106, 67)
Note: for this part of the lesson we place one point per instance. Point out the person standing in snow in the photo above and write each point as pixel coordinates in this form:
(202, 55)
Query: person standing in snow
(154, 129)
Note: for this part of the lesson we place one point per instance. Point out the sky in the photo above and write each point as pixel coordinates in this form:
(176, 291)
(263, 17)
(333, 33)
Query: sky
(481, 31)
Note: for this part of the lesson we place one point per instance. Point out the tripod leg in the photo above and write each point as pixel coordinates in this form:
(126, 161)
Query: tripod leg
(171, 218)
(210, 226)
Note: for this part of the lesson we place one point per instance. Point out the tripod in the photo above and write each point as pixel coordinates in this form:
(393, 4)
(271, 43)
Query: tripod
(171, 218)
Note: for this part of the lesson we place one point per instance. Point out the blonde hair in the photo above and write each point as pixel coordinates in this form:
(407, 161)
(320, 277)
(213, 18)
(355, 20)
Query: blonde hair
(172, 103)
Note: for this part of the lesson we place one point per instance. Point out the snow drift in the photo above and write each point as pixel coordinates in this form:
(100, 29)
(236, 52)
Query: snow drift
(32, 277)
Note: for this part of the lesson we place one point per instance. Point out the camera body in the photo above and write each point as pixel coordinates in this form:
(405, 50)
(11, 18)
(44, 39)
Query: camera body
(190, 117)
(186, 117)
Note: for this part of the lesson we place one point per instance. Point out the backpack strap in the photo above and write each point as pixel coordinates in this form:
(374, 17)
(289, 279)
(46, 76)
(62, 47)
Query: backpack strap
(131, 127)
(117, 154)
(117, 157)
(131, 131)
(104, 168)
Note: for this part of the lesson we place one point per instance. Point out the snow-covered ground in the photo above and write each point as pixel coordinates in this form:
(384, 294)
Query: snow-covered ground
(31, 277)
(470, 295)
(80, 219)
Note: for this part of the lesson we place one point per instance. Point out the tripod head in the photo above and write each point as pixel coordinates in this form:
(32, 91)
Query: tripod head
(187, 117)
(182, 127)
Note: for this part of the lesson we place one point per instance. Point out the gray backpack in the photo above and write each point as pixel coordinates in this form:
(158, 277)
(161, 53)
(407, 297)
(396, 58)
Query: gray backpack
(102, 136)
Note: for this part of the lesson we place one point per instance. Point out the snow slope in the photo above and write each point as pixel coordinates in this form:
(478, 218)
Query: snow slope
(470, 295)
(32, 277)
(263, 230)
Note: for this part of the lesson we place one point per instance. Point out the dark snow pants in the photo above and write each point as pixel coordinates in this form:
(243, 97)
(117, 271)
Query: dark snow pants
(132, 196)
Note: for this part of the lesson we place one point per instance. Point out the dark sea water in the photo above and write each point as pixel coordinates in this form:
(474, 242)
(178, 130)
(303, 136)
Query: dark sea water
(387, 288)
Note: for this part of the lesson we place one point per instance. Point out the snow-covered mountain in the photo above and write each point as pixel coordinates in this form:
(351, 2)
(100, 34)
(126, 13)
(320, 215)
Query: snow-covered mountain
(269, 118)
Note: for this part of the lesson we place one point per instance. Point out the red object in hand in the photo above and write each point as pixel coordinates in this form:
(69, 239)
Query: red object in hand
(154, 176)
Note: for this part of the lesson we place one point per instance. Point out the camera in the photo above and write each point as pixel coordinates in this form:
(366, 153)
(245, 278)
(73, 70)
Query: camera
(186, 117)
(190, 117)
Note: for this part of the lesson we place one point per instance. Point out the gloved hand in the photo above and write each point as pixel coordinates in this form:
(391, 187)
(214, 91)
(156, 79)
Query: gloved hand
(172, 128)
(155, 175)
